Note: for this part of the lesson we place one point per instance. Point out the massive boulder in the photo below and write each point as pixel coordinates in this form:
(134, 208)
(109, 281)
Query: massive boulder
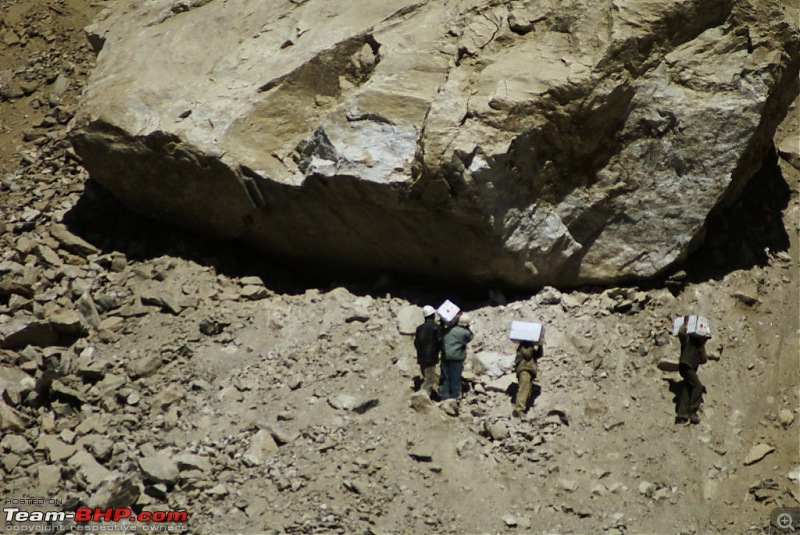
(527, 143)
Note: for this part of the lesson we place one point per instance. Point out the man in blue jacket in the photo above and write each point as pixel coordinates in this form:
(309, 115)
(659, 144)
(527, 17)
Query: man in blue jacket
(454, 353)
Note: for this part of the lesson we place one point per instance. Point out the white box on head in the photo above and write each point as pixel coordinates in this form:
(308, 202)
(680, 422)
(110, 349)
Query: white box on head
(695, 325)
(526, 331)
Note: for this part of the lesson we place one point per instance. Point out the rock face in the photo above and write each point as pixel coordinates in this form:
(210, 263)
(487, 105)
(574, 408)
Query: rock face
(529, 143)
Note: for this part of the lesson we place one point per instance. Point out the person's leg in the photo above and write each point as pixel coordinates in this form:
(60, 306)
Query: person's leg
(428, 378)
(695, 394)
(455, 382)
(523, 392)
(444, 382)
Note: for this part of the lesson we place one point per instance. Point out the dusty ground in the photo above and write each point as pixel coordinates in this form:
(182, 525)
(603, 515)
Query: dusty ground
(214, 381)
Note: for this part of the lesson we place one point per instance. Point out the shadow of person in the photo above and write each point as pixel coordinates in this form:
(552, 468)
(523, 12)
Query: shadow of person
(677, 388)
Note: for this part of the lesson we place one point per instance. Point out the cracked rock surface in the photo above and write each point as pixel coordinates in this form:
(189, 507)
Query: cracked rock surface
(523, 143)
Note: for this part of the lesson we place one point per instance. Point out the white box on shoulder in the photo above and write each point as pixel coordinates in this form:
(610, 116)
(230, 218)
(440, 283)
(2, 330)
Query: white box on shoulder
(448, 310)
(526, 331)
(696, 325)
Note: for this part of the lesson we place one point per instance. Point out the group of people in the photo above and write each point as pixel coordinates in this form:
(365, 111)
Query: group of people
(448, 339)
(441, 352)
(442, 349)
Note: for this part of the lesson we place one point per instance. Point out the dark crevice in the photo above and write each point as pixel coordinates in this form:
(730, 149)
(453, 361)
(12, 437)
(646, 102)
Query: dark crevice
(746, 233)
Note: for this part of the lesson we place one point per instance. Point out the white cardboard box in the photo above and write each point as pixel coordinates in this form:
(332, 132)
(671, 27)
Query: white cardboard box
(448, 310)
(697, 325)
(526, 331)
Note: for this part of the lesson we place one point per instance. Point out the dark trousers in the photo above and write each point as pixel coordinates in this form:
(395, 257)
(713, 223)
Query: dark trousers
(450, 383)
(692, 393)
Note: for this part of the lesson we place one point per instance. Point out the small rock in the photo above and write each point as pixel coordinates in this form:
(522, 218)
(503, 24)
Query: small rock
(88, 309)
(794, 475)
(757, 453)
(421, 402)
(568, 484)
(746, 298)
(422, 452)
(646, 488)
(159, 469)
(548, 296)
(89, 473)
(145, 366)
(49, 477)
(68, 322)
(785, 417)
(254, 293)
(356, 486)
(219, 491)
(116, 491)
(343, 402)
(262, 446)
(281, 436)
(12, 421)
(72, 243)
(26, 330)
(492, 364)
(497, 430)
(408, 319)
(57, 451)
(190, 461)
(16, 444)
(450, 407)
(510, 521)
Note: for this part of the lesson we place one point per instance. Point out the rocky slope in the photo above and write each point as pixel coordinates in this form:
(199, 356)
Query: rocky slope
(144, 366)
(522, 143)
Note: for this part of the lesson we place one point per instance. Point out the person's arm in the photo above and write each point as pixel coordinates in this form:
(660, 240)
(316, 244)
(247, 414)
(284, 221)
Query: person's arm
(703, 356)
(682, 336)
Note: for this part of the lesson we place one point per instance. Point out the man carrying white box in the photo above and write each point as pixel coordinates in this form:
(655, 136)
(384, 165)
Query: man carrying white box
(529, 336)
(693, 332)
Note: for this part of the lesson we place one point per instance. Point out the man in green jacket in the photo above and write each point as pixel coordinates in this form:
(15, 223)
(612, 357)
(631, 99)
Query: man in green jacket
(454, 353)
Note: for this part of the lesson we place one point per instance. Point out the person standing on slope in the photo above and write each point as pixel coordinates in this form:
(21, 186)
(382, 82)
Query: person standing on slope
(428, 343)
(693, 354)
(454, 353)
(526, 367)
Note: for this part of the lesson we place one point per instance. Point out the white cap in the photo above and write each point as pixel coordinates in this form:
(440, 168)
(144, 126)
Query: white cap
(465, 319)
(428, 311)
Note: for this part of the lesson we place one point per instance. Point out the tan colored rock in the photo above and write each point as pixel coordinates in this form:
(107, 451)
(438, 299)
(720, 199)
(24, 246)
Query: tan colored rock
(391, 140)
(757, 453)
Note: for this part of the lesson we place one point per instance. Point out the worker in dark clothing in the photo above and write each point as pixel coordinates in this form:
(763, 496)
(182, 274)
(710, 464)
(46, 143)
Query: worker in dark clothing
(428, 343)
(693, 354)
(527, 368)
(454, 353)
